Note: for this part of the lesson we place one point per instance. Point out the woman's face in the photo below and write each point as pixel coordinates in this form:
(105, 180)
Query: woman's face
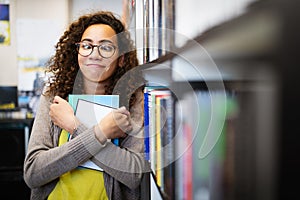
(94, 67)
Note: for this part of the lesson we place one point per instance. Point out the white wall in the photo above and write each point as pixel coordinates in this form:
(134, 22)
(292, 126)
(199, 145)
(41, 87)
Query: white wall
(55, 10)
(80, 7)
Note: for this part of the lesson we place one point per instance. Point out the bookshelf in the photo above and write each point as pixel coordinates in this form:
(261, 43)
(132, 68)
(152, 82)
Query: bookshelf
(233, 116)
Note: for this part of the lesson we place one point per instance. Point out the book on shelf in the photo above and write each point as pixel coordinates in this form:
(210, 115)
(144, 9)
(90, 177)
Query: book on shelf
(158, 144)
(168, 146)
(90, 109)
(158, 135)
(202, 113)
(149, 115)
(146, 125)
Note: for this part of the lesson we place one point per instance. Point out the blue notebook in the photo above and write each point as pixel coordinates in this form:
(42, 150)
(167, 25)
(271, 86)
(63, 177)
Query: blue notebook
(95, 107)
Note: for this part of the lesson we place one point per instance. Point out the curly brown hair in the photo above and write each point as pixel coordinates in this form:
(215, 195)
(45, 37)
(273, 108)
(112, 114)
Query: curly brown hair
(64, 69)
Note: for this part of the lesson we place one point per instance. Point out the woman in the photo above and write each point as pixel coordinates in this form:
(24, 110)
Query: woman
(92, 57)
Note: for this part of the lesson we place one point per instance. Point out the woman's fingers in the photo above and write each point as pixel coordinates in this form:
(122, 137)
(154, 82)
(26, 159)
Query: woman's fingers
(123, 110)
(116, 124)
(123, 120)
(61, 114)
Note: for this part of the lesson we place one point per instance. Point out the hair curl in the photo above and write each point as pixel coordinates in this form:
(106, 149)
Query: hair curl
(64, 69)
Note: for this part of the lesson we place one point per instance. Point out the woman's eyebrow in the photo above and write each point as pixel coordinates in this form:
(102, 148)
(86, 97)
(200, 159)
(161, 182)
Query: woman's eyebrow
(100, 41)
(109, 41)
(88, 40)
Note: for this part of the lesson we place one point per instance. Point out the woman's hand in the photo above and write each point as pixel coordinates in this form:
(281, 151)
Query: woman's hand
(114, 125)
(62, 114)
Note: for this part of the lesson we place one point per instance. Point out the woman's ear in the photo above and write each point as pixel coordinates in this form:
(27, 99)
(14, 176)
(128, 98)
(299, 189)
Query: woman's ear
(121, 61)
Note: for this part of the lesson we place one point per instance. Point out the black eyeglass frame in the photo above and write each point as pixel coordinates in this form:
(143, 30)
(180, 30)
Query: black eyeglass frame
(93, 46)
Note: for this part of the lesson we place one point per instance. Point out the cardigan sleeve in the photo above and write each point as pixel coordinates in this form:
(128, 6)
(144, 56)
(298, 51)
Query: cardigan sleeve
(45, 161)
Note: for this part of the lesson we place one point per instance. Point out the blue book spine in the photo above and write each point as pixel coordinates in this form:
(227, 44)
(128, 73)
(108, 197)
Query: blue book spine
(146, 125)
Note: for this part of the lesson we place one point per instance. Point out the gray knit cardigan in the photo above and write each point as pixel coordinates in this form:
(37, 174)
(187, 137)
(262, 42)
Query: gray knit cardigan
(45, 161)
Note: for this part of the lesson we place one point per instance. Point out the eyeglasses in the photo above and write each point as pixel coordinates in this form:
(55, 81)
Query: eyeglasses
(106, 50)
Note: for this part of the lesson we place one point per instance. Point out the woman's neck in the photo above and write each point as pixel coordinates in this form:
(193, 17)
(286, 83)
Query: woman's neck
(94, 87)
